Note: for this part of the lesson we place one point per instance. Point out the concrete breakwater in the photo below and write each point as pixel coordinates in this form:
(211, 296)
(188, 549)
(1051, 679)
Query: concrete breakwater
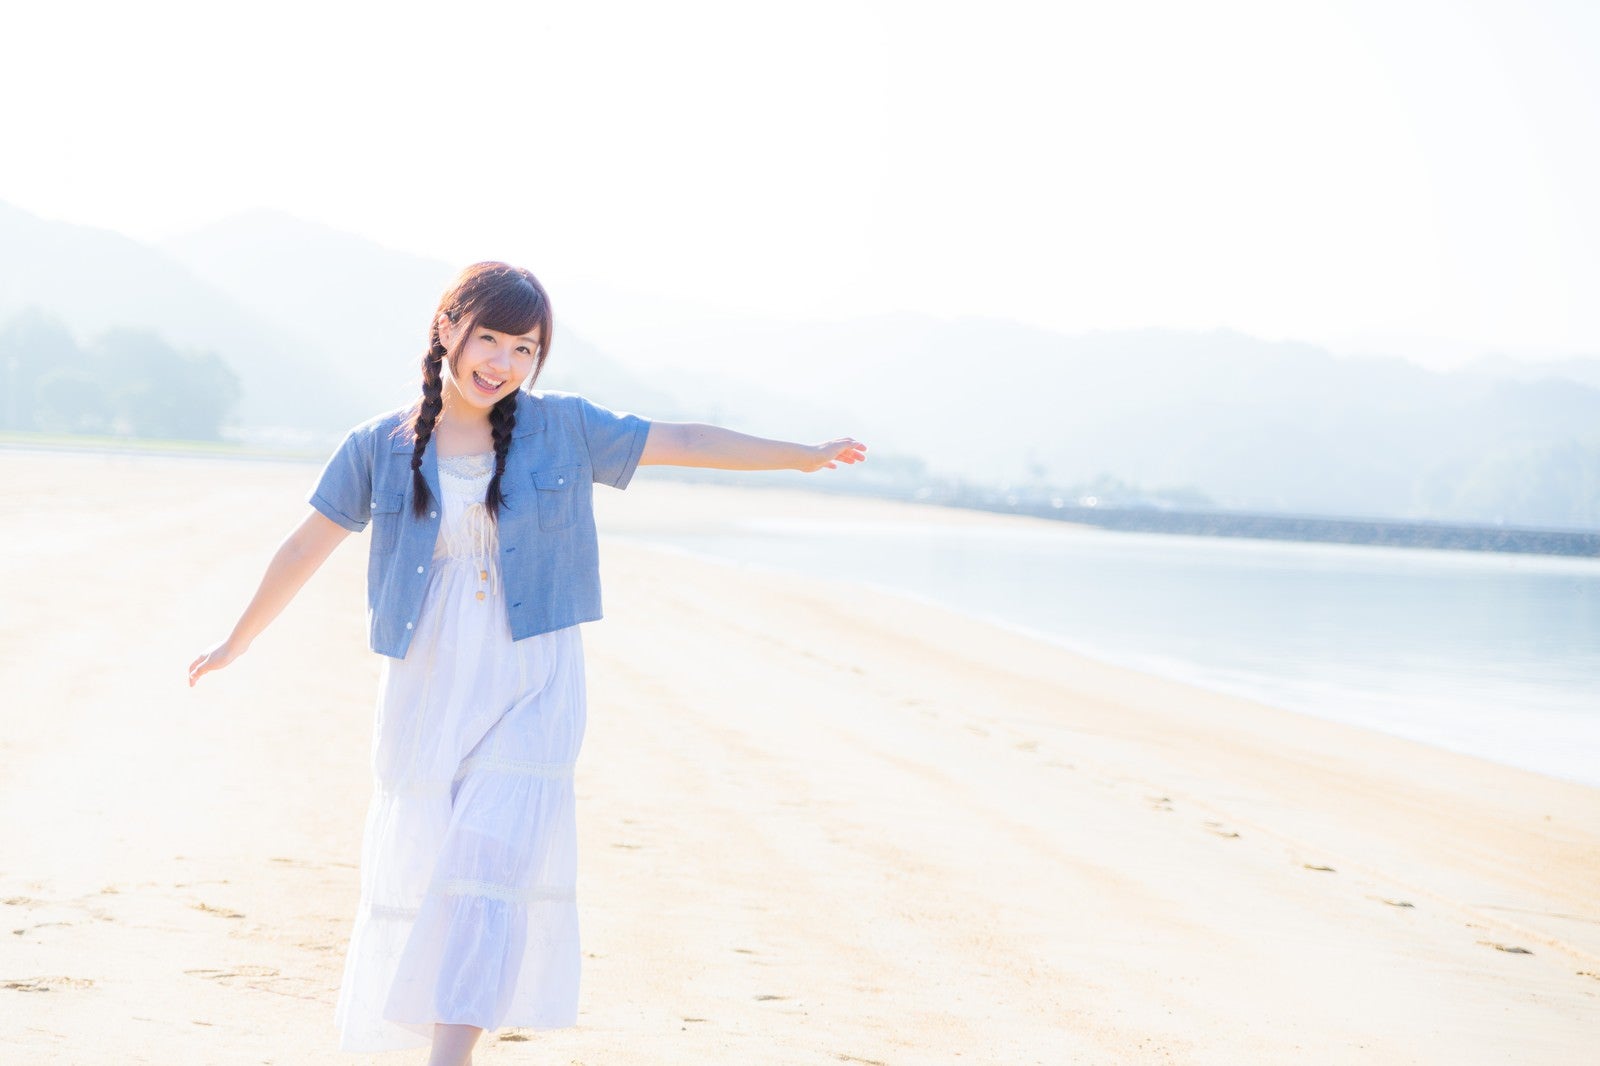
(1315, 528)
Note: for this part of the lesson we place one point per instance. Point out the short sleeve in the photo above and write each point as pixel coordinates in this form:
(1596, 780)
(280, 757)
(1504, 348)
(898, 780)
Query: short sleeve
(344, 491)
(615, 440)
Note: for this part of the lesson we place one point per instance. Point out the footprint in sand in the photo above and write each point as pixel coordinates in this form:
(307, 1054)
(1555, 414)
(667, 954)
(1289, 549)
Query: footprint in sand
(221, 912)
(856, 1058)
(255, 978)
(1315, 866)
(1393, 902)
(236, 971)
(46, 984)
(1220, 830)
(1510, 948)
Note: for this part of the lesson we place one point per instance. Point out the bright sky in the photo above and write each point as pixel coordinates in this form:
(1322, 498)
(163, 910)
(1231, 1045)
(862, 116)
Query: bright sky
(1342, 172)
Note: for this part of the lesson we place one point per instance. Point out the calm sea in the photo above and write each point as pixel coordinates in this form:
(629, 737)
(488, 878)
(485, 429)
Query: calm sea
(1493, 655)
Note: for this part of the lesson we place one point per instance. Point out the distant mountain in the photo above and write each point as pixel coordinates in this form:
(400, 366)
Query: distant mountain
(370, 307)
(362, 306)
(94, 280)
(1582, 371)
(1252, 424)
(325, 328)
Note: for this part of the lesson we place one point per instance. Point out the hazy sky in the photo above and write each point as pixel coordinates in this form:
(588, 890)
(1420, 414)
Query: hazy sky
(1335, 172)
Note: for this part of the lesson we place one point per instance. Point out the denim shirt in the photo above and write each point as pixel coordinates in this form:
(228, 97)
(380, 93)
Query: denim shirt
(549, 556)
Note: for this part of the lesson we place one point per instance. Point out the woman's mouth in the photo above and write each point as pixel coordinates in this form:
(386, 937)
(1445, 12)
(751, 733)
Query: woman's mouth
(487, 386)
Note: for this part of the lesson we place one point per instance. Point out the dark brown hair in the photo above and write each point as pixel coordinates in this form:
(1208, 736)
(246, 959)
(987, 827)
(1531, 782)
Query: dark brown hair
(493, 296)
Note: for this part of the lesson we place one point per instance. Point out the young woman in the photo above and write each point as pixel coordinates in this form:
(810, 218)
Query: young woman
(483, 563)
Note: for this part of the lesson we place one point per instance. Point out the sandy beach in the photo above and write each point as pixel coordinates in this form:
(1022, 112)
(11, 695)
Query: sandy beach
(819, 824)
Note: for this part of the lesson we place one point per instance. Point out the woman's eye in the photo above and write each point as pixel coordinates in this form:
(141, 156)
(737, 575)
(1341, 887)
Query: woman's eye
(524, 349)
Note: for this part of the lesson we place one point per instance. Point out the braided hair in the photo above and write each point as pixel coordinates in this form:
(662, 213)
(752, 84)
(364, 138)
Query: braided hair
(493, 296)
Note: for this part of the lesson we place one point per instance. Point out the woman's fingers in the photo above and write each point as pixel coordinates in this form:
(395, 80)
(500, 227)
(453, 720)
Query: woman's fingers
(215, 659)
(830, 454)
(848, 449)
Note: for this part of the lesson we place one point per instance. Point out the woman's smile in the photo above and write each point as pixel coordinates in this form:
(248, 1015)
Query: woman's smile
(488, 366)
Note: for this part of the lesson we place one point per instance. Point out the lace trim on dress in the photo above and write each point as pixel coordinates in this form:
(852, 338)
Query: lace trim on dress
(505, 893)
(473, 536)
(461, 886)
(467, 467)
(414, 786)
(495, 765)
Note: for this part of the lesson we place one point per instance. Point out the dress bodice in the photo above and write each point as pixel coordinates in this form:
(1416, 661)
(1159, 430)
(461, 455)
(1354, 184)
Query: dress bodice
(466, 531)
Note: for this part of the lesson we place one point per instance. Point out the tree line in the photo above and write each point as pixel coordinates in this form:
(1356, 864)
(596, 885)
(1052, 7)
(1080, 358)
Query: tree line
(124, 382)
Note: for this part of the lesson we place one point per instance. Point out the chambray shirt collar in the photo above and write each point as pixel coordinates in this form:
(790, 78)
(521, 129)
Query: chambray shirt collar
(530, 420)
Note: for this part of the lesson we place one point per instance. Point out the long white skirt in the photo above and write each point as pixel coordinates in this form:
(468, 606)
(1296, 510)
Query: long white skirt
(468, 910)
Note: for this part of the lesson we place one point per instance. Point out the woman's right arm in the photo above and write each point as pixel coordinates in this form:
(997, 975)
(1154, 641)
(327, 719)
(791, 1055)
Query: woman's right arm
(297, 558)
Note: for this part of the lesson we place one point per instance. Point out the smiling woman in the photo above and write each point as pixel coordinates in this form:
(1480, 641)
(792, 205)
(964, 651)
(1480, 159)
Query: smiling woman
(476, 587)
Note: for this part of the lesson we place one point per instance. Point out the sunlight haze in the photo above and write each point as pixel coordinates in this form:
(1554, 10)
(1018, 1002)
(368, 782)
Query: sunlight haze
(1409, 178)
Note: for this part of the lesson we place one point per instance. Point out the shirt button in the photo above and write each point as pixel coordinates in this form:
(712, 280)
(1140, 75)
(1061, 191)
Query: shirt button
(408, 625)
(433, 514)
(419, 569)
(561, 481)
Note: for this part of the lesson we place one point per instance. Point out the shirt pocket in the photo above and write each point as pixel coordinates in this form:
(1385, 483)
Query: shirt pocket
(557, 491)
(386, 519)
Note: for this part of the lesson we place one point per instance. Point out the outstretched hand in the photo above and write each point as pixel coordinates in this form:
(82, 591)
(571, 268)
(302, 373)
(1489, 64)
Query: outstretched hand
(844, 450)
(215, 658)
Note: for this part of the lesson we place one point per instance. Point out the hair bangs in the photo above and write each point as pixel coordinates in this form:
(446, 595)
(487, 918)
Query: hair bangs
(515, 307)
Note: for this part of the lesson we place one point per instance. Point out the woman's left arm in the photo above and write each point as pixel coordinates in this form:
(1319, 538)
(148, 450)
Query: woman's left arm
(697, 444)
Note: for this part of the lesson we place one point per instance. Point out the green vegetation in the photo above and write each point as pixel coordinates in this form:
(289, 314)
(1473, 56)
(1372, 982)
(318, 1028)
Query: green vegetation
(125, 383)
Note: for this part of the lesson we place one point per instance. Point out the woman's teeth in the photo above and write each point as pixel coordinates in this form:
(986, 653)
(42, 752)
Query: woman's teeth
(486, 384)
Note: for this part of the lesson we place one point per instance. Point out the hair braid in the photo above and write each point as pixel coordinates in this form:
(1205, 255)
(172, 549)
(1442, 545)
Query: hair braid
(502, 420)
(428, 409)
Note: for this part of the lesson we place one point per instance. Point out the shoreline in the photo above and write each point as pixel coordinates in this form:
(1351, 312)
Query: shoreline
(1295, 528)
(1180, 673)
(817, 822)
(1324, 702)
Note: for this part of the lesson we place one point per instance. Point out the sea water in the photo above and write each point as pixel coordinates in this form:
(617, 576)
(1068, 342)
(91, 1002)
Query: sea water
(1494, 655)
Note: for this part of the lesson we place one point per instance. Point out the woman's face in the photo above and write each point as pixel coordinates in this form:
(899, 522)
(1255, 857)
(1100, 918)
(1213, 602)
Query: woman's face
(489, 367)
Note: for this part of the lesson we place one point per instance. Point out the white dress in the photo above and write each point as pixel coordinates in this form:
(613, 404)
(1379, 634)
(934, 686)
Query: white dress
(468, 911)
